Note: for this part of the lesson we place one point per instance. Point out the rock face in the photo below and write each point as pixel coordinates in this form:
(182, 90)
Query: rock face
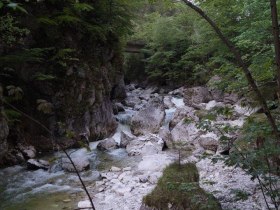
(107, 144)
(81, 164)
(149, 119)
(4, 129)
(33, 164)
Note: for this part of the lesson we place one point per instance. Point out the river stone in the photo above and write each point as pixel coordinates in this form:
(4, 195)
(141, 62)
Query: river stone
(149, 119)
(29, 152)
(107, 144)
(125, 139)
(81, 164)
(149, 144)
(209, 143)
(33, 164)
(168, 104)
(197, 95)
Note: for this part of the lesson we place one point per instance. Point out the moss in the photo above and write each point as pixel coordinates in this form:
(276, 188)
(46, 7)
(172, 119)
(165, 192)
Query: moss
(201, 113)
(179, 188)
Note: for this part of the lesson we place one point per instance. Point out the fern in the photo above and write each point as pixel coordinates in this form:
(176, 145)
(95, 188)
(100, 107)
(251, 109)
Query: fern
(42, 77)
(47, 21)
(44, 106)
(82, 7)
(15, 92)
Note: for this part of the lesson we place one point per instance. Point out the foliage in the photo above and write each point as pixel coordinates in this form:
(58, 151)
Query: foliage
(179, 188)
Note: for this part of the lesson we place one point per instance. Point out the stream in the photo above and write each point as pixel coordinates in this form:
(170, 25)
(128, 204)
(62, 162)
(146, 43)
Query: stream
(45, 190)
(56, 189)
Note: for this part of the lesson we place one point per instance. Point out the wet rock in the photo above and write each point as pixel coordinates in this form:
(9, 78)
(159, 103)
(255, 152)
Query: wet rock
(29, 152)
(132, 101)
(84, 205)
(149, 119)
(107, 144)
(167, 102)
(81, 164)
(165, 134)
(33, 164)
(125, 139)
(197, 95)
(115, 169)
(118, 107)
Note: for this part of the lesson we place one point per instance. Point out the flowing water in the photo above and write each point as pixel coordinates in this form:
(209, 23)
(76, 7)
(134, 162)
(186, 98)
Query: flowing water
(21, 189)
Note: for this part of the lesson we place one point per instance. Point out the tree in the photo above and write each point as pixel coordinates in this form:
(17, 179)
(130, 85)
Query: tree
(276, 34)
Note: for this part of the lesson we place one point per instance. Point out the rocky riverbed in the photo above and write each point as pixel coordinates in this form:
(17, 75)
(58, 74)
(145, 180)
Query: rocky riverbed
(125, 167)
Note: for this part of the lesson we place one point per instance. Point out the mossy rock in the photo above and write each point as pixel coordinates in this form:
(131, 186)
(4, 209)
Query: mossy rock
(178, 189)
(201, 114)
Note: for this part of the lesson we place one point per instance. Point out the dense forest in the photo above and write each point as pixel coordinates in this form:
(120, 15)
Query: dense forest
(151, 104)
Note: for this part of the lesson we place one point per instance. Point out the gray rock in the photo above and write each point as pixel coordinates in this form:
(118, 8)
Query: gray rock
(81, 164)
(33, 164)
(149, 119)
(185, 132)
(209, 143)
(118, 107)
(107, 144)
(132, 101)
(182, 113)
(165, 134)
(29, 152)
(145, 145)
(125, 139)
(231, 98)
(197, 95)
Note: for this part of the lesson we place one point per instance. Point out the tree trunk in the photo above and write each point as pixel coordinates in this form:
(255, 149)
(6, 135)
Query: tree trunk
(274, 18)
(242, 64)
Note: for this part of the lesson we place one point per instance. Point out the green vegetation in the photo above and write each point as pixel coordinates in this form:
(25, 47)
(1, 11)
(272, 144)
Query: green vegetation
(179, 188)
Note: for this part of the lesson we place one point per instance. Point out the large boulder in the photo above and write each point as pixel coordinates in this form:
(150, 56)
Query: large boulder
(29, 152)
(186, 113)
(81, 164)
(209, 143)
(125, 139)
(185, 132)
(33, 164)
(145, 145)
(107, 144)
(197, 95)
(150, 118)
